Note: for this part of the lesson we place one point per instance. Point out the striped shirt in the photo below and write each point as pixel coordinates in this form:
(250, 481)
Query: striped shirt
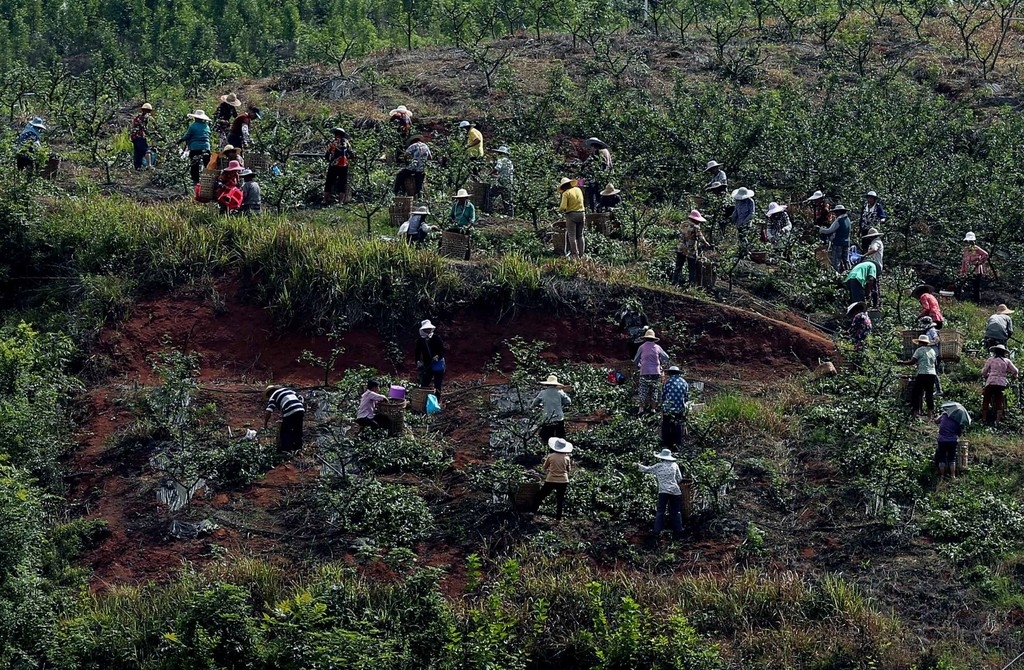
(285, 400)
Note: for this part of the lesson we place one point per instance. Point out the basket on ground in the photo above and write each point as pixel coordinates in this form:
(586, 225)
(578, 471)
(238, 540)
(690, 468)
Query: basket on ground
(962, 455)
(951, 345)
(455, 245)
(393, 413)
(418, 399)
(527, 497)
(600, 221)
(207, 183)
(400, 210)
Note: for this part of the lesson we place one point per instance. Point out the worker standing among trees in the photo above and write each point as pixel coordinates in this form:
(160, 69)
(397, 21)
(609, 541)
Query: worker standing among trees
(338, 153)
(557, 466)
(28, 143)
(552, 401)
(670, 495)
(571, 204)
(474, 139)
(418, 153)
(974, 264)
(225, 113)
(997, 373)
(197, 141)
(674, 395)
(649, 358)
(929, 304)
(596, 170)
(240, 133)
(999, 327)
(139, 135)
(839, 231)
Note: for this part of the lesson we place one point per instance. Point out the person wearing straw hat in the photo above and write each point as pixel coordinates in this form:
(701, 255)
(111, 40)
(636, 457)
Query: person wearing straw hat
(239, 135)
(649, 358)
(292, 409)
(929, 304)
(997, 373)
(872, 216)
(252, 199)
(197, 141)
(874, 249)
(999, 327)
(924, 380)
(229, 152)
(504, 173)
(462, 214)
(778, 226)
(366, 415)
(225, 113)
(416, 228)
(952, 420)
(860, 324)
(716, 174)
(929, 331)
(595, 169)
(29, 141)
(227, 183)
(571, 204)
(430, 357)
(839, 231)
(860, 280)
(674, 395)
(474, 139)
(742, 216)
(552, 401)
(337, 155)
(557, 465)
(401, 117)
(138, 133)
(670, 496)
(974, 264)
(418, 153)
(821, 214)
(690, 248)
(610, 198)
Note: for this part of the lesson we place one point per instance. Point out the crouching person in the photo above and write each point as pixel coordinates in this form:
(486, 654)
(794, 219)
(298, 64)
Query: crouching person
(288, 403)
(366, 416)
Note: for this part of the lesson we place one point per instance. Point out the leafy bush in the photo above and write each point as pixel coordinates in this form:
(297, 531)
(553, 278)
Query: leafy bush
(390, 514)
(976, 523)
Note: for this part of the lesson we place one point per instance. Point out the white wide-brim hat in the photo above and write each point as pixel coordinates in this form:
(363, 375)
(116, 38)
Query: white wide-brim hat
(461, 193)
(560, 445)
(552, 380)
(817, 195)
(742, 193)
(426, 325)
(970, 237)
(774, 208)
(199, 115)
(665, 455)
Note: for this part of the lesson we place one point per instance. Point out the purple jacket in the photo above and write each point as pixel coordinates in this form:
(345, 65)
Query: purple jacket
(650, 357)
(949, 430)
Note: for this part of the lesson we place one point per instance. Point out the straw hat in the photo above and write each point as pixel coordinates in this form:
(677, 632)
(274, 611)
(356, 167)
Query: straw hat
(460, 194)
(426, 325)
(921, 290)
(199, 115)
(674, 370)
(649, 335)
(856, 308)
(774, 208)
(999, 348)
(817, 195)
(923, 341)
(560, 445)
(501, 150)
(420, 210)
(401, 109)
(464, 124)
(563, 181)
(742, 193)
(231, 99)
(714, 186)
(228, 147)
(1003, 309)
(233, 166)
(713, 165)
(552, 380)
(270, 389)
(871, 194)
(610, 190)
(970, 237)
(872, 232)
(696, 216)
(146, 107)
(839, 209)
(246, 172)
(37, 122)
(665, 455)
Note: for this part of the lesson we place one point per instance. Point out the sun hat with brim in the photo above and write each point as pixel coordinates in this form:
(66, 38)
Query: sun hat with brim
(563, 181)
(228, 147)
(199, 115)
(970, 237)
(925, 322)
(426, 325)
(231, 99)
(817, 195)
(856, 307)
(339, 131)
(774, 208)
(460, 194)
(233, 166)
(839, 209)
(270, 389)
(872, 232)
(665, 455)
(922, 289)
(246, 172)
(464, 124)
(696, 216)
(147, 107)
(714, 186)
(923, 341)
(560, 445)
(1003, 309)
(37, 122)
(594, 142)
(552, 380)
(1000, 348)
(674, 370)
(610, 190)
(742, 193)
(420, 210)
(712, 165)
(501, 150)
(871, 194)
(649, 336)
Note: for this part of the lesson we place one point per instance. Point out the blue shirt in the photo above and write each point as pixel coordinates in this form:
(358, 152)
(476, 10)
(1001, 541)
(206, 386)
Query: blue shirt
(29, 135)
(743, 214)
(197, 137)
(675, 394)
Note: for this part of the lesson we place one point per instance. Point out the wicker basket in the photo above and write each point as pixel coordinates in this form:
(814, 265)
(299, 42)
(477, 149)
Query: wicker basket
(600, 221)
(759, 257)
(478, 194)
(559, 242)
(455, 245)
(207, 184)
(962, 455)
(417, 398)
(257, 162)
(706, 274)
(951, 345)
(393, 412)
(907, 389)
(824, 260)
(908, 337)
(400, 210)
(527, 497)
(51, 168)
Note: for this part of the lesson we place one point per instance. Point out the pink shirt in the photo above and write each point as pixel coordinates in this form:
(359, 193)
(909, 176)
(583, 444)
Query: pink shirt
(996, 371)
(930, 307)
(974, 261)
(368, 404)
(650, 357)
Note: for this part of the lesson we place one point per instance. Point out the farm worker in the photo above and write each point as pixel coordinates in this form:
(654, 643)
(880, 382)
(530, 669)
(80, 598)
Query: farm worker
(821, 214)
(227, 182)
(874, 251)
(670, 496)
(716, 173)
(633, 322)
(366, 415)
(860, 280)
(556, 466)
(929, 305)
(230, 153)
(284, 400)
(552, 401)
(610, 198)
(674, 395)
(999, 328)
(138, 134)
(860, 324)
(239, 135)
(462, 214)
(743, 214)
(924, 380)
(429, 356)
(974, 264)
(197, 140)
(996, 372)
(571, 204)
(690, 248)
(474, 139)
(929, 330)
(402, 120)
(505, 178)
(416, 227)
(225, 113)
(252, 203)
(872, 215)
(596, 168)
(649, 358)
(718, 204)
(418, 153)
(337, 155)
(28, 143)
(839, 231)
(778, 226)
(952, 420)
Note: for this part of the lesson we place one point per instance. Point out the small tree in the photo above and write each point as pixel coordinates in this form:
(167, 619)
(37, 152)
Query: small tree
(536, 180)
(371, 182)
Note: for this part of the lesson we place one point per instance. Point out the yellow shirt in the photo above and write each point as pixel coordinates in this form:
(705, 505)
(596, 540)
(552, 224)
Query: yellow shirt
(557, 466)
(572, 200)
(475, 142)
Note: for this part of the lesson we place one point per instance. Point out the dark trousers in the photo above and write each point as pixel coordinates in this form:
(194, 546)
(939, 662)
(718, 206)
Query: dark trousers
(198, 159)
(945, 453)
(593, 196)
(856, 290)
(369, 423)
(550, 430)
(674, 505)
(404, 174)
(337, 181)
(671, 430)
(924, 385)
(993, 403)
(976, 287)
(236, 141)
(289, 437)
(560, 489)
(428, 375)
(140, 147)
(25, 162)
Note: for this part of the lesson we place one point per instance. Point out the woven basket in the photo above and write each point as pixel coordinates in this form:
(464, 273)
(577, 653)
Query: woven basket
(478, 194)
(908, 337)
(417, 398)
(706, 274)
(962, 455)
(400, 210)
(393, 412)
(951, 345)
(600, 221)
(558, 242)
(527, 497)
(207, 183)
(257, 162)
(824, 260)
(760, 257)
(906, 389)
(455, 245)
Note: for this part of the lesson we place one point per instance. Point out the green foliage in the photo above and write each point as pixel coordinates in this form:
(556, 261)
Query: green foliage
(979, 520)
(391, 515)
